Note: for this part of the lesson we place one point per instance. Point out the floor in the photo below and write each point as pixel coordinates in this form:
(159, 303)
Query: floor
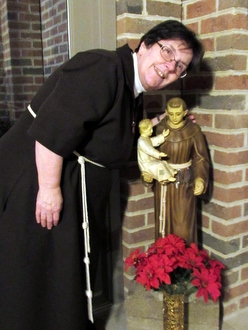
(128, 315)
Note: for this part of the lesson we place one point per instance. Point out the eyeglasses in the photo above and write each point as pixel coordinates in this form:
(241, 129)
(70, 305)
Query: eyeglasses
(169, 56)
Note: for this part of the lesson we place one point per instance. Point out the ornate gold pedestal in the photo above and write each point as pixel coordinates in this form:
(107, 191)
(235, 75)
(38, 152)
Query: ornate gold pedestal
(173, 311)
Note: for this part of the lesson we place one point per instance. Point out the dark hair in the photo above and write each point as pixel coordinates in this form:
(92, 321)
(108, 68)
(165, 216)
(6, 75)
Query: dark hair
(175, 30)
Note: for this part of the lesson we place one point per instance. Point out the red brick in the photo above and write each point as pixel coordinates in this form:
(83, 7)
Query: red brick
(235, 292)
(244, 302)
(63, 27)
(231, 194)
(197, 82)
(231, 158)
(194, 27)
(231, 278)
(33, 88)
(138, 237)
(226, 230)
(233, 41)
(136, 189)
(130, 271)
(225, 140)
(132, 222)
(231, 121)
(31, 52)
(163, 8)
(132, 43)
(232, 82)
(244, 274)
(29, 17)
(127, 283)
(244, 241)
(203, 119)
(130, 25)
(230, 309)
(205, 221)
(23, 80)
(208, 44)
(127, 250)
(223, 23)
(225, 4)
(200, 8)
(228, 177)
(222, 212)
(151, 219)
(140, 205)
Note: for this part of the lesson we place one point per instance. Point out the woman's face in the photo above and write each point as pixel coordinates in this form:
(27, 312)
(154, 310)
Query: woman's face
(154, 72)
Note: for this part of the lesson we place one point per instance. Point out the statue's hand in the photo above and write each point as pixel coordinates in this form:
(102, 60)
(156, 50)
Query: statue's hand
(166, 132)
(199, 186)
(162, 154)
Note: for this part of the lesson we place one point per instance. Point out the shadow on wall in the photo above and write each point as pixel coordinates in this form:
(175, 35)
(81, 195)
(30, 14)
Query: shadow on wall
(197, 84)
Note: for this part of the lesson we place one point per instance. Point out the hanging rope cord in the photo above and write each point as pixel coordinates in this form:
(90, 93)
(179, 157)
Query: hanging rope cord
(85, 225)
(163, 193)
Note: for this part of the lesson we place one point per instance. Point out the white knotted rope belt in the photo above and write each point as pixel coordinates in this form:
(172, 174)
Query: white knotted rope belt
(162, 214)
(85, 225)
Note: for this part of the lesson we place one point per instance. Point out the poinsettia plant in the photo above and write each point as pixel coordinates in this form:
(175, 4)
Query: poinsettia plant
(170, 266)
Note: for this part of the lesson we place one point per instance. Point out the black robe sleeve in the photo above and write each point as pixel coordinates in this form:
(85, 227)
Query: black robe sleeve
(74, 100)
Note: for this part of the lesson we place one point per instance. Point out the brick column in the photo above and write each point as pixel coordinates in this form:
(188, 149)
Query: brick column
(22, 65)
(54, 34)
(27, 53)
(218, 95)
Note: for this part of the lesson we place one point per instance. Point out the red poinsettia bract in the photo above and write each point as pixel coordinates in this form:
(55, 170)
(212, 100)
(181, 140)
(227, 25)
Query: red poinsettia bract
(168, 264)
(207, 283)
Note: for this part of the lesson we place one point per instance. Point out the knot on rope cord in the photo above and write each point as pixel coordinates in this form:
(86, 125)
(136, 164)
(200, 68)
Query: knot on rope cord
(88, 293)
(85, 225)
(87, 260)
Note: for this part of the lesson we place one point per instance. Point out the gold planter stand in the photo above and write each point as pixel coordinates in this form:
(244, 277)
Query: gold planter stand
(173, 311)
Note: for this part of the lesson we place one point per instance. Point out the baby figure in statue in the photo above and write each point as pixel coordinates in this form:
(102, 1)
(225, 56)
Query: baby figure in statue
(149, 159)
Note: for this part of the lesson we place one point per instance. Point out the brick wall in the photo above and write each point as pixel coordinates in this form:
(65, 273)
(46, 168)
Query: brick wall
(33, 43)
(54, 34)
(4, 121)
(22, 57)
(217, 95)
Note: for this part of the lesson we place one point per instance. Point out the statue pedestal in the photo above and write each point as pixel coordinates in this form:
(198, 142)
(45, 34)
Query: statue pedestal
(144, 311)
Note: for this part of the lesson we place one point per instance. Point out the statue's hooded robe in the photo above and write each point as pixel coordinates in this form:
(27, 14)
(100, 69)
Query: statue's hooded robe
(182, 145)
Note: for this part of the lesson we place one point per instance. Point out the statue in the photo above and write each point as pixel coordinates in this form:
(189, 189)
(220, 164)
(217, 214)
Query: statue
(149, 158)
(186, 149)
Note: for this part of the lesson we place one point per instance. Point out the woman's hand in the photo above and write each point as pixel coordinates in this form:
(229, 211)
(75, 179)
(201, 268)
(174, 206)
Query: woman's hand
(48, 206)
(192, 117)
(49, 199)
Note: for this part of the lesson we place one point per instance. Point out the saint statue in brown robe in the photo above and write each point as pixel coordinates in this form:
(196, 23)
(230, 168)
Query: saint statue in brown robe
(187, 152)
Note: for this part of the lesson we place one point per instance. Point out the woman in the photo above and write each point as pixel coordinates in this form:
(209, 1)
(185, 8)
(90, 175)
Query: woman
(89, 105)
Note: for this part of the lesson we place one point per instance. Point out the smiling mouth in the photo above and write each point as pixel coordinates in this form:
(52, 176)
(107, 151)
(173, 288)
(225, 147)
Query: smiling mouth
(159, 72)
